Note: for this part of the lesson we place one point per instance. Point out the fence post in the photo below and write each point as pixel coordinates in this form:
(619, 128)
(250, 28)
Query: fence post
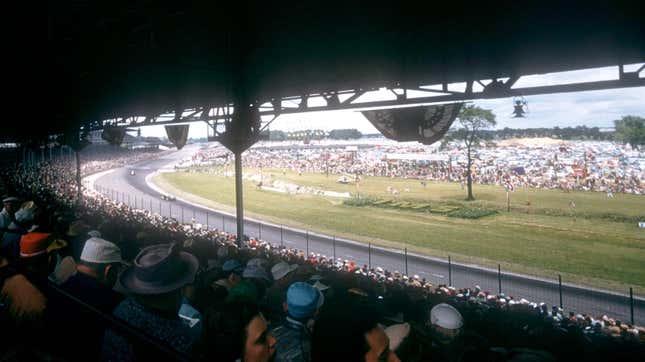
(207, 221)
(223, 223)
(151, 205)
(449, 271)
(170, 209)
(307, 243)
(369, 255)
(182, 214)
(281, 236)
(499, 277)
(128, 199)
(631, 305)
(160, 208)
(260, 230)
(333, 243)
(560, 288)
(406, 261)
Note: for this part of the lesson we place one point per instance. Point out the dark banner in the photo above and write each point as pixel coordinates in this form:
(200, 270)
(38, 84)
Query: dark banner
(178, 135)
(113, 135)
(425, 124)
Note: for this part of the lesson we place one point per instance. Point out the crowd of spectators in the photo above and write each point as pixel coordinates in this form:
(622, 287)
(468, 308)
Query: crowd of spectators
(580, 166)
(101, 280)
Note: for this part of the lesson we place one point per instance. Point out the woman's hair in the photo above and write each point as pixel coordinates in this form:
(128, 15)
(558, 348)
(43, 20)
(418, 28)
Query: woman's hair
(339, 333)
(225, 330)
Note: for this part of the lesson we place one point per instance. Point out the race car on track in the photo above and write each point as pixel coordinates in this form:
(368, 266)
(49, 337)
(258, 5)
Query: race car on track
(168, 197)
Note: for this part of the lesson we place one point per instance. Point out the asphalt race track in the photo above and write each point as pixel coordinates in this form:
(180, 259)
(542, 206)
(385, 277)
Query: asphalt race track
(134, 190)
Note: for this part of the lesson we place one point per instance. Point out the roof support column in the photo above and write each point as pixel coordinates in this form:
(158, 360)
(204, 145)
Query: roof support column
(239, 190)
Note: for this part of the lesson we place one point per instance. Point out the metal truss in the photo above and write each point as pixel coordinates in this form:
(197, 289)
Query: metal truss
(220, 117)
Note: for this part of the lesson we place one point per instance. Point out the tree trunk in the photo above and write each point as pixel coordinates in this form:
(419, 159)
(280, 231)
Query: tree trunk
(469, 178)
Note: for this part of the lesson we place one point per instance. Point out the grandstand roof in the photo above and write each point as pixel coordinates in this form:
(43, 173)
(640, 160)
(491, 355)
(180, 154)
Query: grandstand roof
(117, 58)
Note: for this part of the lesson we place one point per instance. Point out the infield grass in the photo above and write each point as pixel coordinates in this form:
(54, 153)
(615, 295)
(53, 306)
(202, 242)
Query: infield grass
(599, 243)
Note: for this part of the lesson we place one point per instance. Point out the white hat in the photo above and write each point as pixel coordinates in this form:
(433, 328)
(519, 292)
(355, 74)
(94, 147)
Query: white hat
(397, 333)
(446, 316)
(94, 234)
(281, 269)
(97, 250)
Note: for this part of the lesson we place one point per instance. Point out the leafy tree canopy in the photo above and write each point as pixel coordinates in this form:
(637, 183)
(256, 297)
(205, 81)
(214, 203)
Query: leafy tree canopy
(631, 129)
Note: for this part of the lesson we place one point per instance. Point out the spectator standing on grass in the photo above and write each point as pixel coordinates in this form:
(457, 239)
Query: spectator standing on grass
(154, 283)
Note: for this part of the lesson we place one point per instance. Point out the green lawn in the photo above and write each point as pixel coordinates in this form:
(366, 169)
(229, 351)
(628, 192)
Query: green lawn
(540, 236)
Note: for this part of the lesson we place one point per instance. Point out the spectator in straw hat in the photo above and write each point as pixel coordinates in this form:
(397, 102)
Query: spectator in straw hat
(154, 283)
(76, 234)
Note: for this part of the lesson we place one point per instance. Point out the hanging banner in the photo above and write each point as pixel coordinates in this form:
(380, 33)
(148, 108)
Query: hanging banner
(178, 135)
(113, 135)
(425, 124)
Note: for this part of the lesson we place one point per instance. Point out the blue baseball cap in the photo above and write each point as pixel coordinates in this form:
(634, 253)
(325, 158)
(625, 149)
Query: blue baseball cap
(303, 300)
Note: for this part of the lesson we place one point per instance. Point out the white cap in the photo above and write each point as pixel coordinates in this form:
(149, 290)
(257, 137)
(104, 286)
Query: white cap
(281, 269)
(446, 316)
(94, 233)
(97, 250)
(397, 333)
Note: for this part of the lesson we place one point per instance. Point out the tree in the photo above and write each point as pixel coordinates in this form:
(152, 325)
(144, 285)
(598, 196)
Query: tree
(631, 129)
(472, 120)
(343, 134)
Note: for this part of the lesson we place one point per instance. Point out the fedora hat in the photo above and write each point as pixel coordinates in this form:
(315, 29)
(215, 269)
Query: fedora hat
(159, 269)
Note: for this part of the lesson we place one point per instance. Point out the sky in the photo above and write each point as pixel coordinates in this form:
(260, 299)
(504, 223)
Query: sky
(591, 108)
